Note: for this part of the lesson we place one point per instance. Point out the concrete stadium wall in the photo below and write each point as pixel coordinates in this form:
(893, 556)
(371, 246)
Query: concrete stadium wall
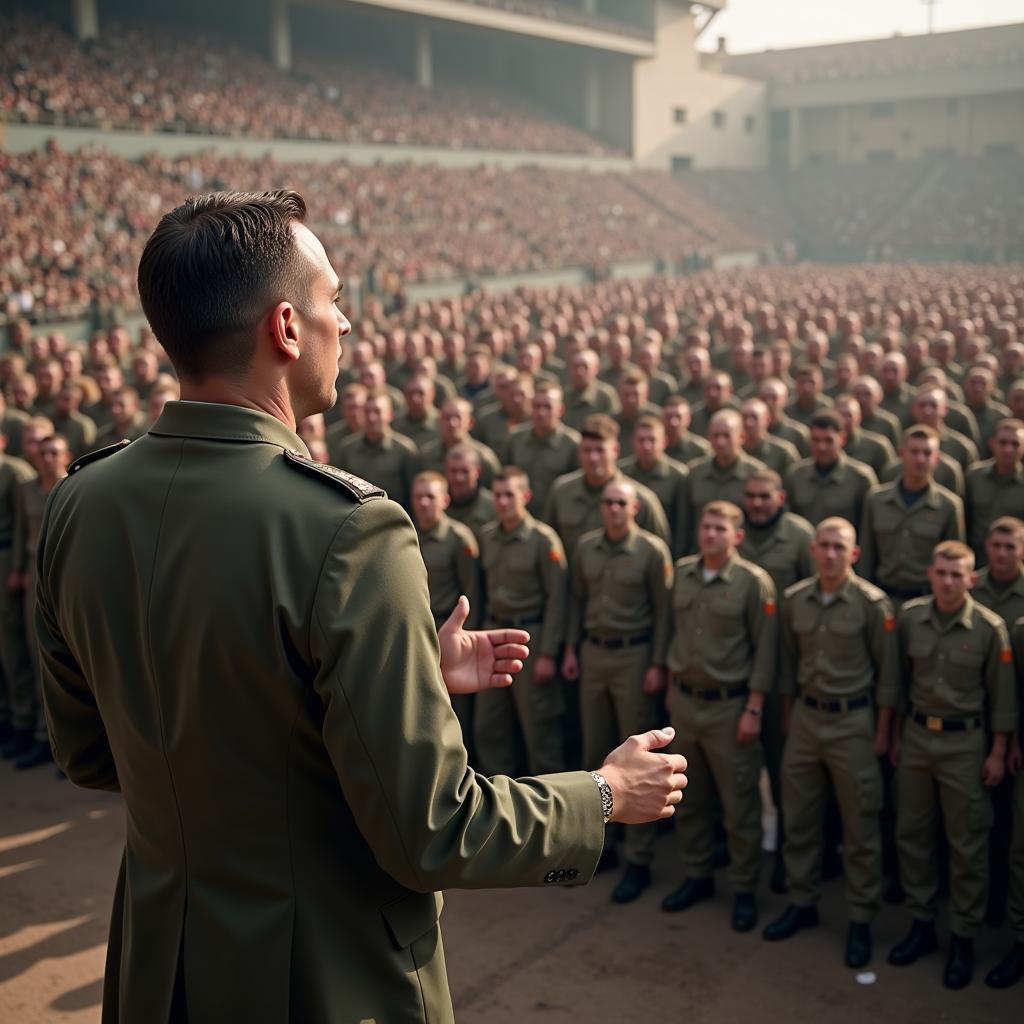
(20, 138)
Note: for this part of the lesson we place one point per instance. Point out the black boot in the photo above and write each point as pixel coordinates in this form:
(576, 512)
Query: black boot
(744, 912)
(693, 890)
(1009, 970)
(634, 881)
(39, 753)
(793, 919)
(778, 883)
(858, 944)
(19, 743)
(959, 963)
(919, 941)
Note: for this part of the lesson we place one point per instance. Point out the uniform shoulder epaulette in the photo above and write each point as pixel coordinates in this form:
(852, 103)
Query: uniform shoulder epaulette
(100, 453)
(870, 591)
(801, 585)
(918, 602)
(354, 486)
(991, 617)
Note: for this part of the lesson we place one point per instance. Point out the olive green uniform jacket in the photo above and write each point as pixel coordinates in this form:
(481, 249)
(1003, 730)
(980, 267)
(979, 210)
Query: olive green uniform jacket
(241, 644)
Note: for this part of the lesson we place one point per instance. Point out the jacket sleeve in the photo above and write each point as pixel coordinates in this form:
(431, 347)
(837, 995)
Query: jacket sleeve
(660, 576)
(77, 733)
(764, 632)
(395, 742)
(555, 578)
(885, 653)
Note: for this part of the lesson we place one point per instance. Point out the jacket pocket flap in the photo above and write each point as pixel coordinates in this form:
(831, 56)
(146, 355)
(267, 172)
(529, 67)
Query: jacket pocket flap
(411, 916)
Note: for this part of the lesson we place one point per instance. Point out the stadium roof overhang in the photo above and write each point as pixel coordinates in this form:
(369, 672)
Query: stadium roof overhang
(508, 21)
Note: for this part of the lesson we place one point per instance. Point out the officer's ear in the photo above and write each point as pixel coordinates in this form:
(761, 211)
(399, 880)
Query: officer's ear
(282, 329)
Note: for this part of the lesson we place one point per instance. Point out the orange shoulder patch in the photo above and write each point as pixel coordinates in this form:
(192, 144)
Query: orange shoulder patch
(469, 551)
(555, 556)
(890, 623)
(1006, 656)
(769, 608)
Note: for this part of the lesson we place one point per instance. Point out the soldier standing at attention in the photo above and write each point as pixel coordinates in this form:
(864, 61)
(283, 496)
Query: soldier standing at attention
(527, 588)
(839, 661)
(956, 656)
(680, 443)
(615, 646)
(723, 660)
(471, 502)
(995, 487)
(779, 541)
(829, 483)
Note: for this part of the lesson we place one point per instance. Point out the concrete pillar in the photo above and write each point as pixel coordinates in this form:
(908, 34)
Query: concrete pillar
(85, 17)
(280, 35)
(795, 142)
(424, 56)
(592, 94)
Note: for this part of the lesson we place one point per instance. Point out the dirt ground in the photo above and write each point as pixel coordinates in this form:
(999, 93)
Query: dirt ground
(545, 954)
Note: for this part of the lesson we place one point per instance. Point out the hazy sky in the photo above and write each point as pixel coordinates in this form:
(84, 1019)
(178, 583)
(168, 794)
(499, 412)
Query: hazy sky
(757, 24)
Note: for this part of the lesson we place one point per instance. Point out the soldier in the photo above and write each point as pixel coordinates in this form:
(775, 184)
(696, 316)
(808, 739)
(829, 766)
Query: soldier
(527, 588)
(930, 407)
(619, 351)
(1011, 968)
(873, 450)
(829, 483)
(722, 659)
(839, 657)
(476, 385)
(648, 359)
(545, 447)
(53, 460)
(809, 384)
(420, 422)
(452, 560)
(897, 394)
(633, 397)
(979, 391)
(905, 519)
(456, 427)
(680, 444)
(956, 656)
(472, 504)
(995, 487)
(616, 645)
(379, 453)
(717, 396)
(75, 426)
(587, 394)
(779, 541)
(494, 423)
(724, 474)
(868, 393)
(17, 714)
(352, 418)
(574, 503)
(127, 420)
(775, 394)
(773, 451)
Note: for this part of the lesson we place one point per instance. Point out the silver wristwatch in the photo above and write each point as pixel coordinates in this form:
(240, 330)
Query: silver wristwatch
(606, 795)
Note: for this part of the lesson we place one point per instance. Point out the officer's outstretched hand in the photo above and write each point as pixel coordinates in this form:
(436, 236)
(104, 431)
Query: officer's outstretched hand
(646, 785)
(474, 660)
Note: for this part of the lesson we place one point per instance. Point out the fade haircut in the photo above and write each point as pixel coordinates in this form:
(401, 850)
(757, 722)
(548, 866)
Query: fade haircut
(723, 510)
(212, 269)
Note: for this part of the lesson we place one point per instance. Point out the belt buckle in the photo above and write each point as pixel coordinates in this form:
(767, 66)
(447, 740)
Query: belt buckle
(933, 723)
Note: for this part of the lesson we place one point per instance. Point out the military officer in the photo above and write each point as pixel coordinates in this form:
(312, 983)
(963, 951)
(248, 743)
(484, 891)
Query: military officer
(905, 519)
(839, 659)
(17, 715)
(995, 487)
(829, 483)
(296, 787)
(616, 644)
(956, 656)
(527, 588)
(722, 660)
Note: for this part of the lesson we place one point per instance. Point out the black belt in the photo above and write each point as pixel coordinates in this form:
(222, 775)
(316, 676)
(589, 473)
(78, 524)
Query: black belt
(935, 723)
(835, 706)
(719, 693)
(526, 620)
(909, 594)
(612, 643)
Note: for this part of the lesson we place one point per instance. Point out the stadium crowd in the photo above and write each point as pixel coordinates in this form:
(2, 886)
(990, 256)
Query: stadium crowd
(145, 77)
(669, 483)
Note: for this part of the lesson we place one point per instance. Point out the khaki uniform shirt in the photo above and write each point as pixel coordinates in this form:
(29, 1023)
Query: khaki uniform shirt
(795, 433)
(805, 413)
(958, 447)
(29, 503)
(710, 482)
(897, 540)
(947, 474)
(989, 496)
(432, 455)
(627, 426)
(452, 558)
(843, 648)
(840, 492)
(493, 428)
(475, 513)
(900, 403)
(782, 549)
(687, 447)
(421, 431)
(527, 577)
(775, 453)
(545, 459)
(668, 480)
(13, 472)
(390, 463)
(80, 432)
(724, 631)
(953, 669)
(337, 434)
(1006, 602)
(573, 508)
(988, 418)
(621, 589)
(885, 423)
(660, 386)
(595, 397)
(873, 450)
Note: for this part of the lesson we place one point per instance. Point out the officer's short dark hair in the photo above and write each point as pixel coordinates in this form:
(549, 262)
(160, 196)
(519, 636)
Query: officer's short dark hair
(213, 267)
(599, 427)
(920, 432)
(827, 419)
(1007, 524)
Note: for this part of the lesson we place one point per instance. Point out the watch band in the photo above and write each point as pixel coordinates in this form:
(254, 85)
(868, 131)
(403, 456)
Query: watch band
(607, 804)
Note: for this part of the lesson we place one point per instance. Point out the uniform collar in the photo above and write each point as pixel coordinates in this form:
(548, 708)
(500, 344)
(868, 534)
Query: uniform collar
(628, 544)
(964, 617)
(1017, 474)
(696, 568)
(985, 583)
(895, 497)
(844, 593)
(215, 421)
(520, 532)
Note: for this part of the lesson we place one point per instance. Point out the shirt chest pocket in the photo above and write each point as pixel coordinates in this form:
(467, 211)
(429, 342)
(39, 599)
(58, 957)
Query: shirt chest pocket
(846, 633)
(520, 571)
(726, 612)
(628, 577)
(682, 599)
(921, 651)
(966, 666)
(925, 529)
(888, 521)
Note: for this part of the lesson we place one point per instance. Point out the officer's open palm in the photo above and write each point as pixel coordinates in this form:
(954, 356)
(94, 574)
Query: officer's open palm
(474, 660)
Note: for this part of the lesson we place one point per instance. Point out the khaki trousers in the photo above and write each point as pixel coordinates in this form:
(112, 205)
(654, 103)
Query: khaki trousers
(613, 705)
(523, 714)
(1016, 901)
(706, 737)
(16, 692)
(943, 769)
(839, 746)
